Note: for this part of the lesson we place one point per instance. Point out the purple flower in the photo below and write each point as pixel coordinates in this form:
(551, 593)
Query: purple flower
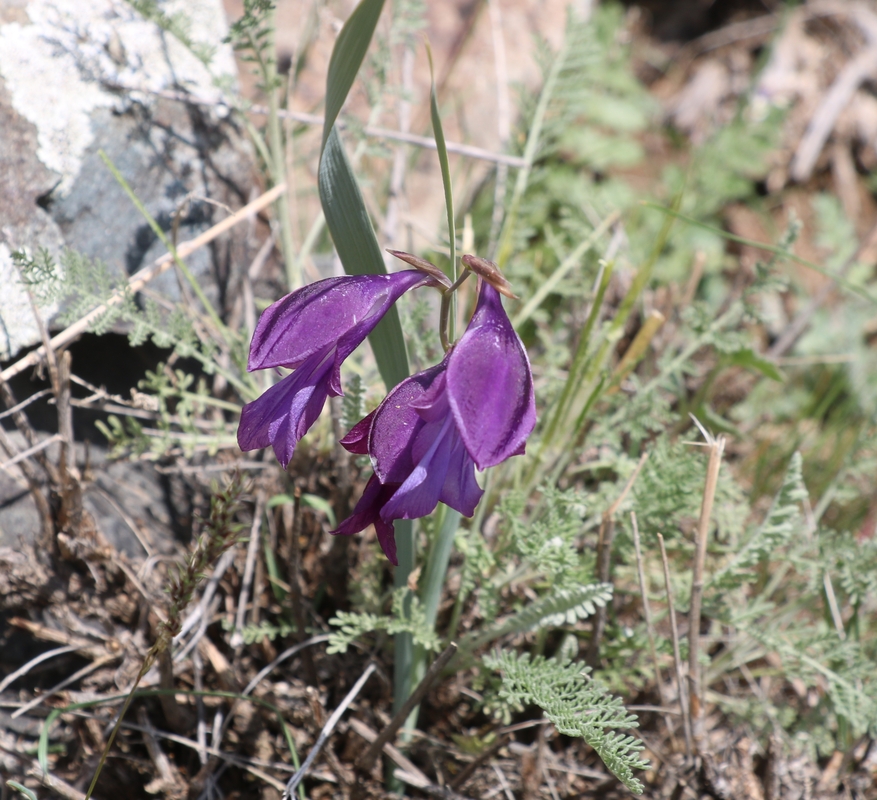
(425, 439)
(312, 331)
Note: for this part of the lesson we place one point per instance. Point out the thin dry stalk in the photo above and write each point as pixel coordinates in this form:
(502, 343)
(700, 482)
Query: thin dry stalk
(296, 779)
(201, 729)
(30, 436)
(367, 760)
(139, 280)
(677, 656)
(651, 325)
(503, 782)
(647, 614)
(832, 604)
(32, 480)
(70, 516)
(695, 708)
(168, 780)
(237, 638)
(289, 653)
(408, 772)
(604, 562)
(483, 757)
(68, 681)
(57, 785)
(23, 670)
(37, 448)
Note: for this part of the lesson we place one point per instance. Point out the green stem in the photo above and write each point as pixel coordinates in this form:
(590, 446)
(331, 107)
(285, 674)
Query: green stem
(156, 228)
(278, 163)
(504, 249)
(404, 643)
(447, 521)
(445, 310)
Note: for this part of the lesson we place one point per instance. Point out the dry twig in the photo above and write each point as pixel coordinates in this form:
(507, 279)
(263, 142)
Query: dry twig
(677, 656)
(695, 706)
(296, 779)
(604, 561)
(139, 280)
(366, 761)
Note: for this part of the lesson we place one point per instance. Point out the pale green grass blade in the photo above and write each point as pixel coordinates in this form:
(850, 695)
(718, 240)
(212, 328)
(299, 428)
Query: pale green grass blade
(441, 148)
(23, 789)
(357, 247)
(347, 56)
(773, 249)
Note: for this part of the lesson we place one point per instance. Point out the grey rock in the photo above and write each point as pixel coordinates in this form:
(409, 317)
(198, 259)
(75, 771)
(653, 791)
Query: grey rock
(126, 500)
(78, 77)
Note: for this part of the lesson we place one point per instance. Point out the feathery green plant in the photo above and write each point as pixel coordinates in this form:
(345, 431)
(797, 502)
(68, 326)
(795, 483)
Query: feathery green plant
(578, 706)
(407, 616)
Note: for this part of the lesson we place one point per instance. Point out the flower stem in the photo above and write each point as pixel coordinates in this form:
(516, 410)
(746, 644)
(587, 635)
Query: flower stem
(447, 521)
(404, 643)
(445, 311)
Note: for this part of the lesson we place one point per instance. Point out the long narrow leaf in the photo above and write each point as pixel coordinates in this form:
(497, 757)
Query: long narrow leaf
(347, 55)
(358, 249)
(442, 150)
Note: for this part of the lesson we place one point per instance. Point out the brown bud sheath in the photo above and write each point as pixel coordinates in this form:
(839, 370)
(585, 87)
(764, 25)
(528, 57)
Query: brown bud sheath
(490, 272)
(423, 265)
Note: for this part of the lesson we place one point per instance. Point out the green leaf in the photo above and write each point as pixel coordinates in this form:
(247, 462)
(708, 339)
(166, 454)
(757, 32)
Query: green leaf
(358, 249)
(577, 705)
(23, 789)
(563, 606)
(749, 359)
(442, 150)
(310, 500)
(782, 523)
(347, 55)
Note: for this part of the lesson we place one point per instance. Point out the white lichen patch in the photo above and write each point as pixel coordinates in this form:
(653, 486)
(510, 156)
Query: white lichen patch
(75, 54)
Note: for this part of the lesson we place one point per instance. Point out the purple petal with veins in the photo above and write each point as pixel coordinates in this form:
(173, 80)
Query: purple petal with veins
(490, 387)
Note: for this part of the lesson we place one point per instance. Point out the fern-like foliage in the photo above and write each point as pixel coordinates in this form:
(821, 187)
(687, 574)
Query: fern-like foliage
(252, 37)
(577, 705)
(353, 402)
(177, 25)
(352, 626)
(562, 606)
(545, 543)
(782, 522)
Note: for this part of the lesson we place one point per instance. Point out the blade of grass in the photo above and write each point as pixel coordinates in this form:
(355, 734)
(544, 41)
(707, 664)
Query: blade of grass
(347, 55)
(157, 230)
(767, 248)
(504, 246)
(358, 249)
(442, 150)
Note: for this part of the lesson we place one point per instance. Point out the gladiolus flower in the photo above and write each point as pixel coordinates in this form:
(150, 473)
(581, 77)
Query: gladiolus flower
(476, 408)
(311, 331)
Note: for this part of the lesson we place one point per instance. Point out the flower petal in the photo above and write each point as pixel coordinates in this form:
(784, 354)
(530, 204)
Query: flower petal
(461, 491)
(283, 414)
(419, 493)
(340, 311)
(396, 422)
(368, 512)
(490, 386)
(356, 440)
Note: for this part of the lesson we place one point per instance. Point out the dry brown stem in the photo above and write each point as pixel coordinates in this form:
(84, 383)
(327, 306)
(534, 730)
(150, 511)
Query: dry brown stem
(604, 561)
(677, 656)
(695, 707)
(367, 759)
